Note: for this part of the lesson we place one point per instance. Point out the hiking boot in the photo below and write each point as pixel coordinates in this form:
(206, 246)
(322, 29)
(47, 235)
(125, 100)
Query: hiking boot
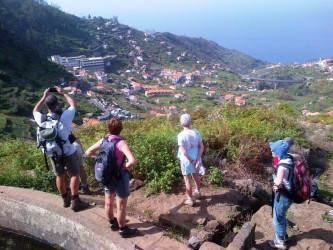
(77, 204)
(114, 225)
(197, 194)
(67, 201)
(277, 244)
(189, 202)
(86, 190)
(128, 232)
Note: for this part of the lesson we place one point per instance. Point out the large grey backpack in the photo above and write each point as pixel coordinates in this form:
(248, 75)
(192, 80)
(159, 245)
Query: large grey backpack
(51, 138)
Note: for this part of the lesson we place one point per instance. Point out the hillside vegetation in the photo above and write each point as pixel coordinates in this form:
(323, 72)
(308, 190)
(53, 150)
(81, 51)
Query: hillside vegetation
(235, 139)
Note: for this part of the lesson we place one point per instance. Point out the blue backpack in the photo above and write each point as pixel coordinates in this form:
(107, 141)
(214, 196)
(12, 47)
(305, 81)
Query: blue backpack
(105, 165)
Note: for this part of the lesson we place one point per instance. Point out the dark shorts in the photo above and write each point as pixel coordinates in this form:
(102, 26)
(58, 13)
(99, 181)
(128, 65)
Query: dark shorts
(121, 188)
(69, 163)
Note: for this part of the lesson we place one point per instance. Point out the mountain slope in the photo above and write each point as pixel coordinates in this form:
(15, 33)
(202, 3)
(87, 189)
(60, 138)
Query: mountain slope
(32, 30)
(52, 31)
(23, 70)
(43, 26)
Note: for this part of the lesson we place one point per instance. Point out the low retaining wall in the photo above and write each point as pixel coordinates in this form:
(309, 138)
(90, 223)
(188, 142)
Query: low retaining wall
(42, 216)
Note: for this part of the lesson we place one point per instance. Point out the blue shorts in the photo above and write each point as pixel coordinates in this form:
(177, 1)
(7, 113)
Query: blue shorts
(121, 188)
(187, 167)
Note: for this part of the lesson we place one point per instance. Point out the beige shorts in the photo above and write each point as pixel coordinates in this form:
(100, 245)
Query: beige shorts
(79, 151)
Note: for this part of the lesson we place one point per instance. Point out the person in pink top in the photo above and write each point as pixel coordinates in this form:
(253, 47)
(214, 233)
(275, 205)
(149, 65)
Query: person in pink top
(121, 189)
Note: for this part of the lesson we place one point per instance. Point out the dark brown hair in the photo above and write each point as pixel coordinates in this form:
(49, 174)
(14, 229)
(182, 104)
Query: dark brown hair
(51, 102)
(115, 126)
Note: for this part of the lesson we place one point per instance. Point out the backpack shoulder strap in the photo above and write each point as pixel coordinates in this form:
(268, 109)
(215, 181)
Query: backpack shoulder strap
(116, 141)
(289, 167)
(43, 118)
(49, 117)
(286, 165)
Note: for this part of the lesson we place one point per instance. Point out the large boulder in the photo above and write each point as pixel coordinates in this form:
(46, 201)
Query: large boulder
(309, 226)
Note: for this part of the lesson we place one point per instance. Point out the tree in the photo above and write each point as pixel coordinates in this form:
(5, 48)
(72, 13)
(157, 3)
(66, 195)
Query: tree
(115, 20)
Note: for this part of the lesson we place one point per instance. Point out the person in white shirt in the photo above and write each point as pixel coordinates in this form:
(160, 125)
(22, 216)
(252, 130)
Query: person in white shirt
(190, 151)
(69, 160)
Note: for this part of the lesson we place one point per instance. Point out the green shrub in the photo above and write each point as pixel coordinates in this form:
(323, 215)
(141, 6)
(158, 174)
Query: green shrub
(215, 176)
(23, 165)
(239, 135)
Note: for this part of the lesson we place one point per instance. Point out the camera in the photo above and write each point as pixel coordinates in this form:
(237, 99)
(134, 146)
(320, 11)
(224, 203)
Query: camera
(53, 89)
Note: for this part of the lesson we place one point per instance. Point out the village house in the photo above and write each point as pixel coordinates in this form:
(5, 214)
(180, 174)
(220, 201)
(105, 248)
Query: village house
(211, 93)
(239, 101)
(90, 121)
(189, 77)
(245, 96)
(134, 99)
(173, 109)
(127, 91)
(172, 75)
(176, 77)
(91, 93)
(159, 92)
(147, 87)
(203, 86)
(101, 76)
(136, 86)
(80, 61)
(173, 87)
(180, 96)
(229, 97)
(146, 76)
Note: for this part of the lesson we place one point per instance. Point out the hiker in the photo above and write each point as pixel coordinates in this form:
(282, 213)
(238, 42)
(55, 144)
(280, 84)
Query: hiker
(121, 188)
(69, 161)
(83, 175)
(281, 187)
(189, 153)
(290, 142)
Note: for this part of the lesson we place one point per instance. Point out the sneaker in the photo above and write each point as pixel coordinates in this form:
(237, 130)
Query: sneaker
(197, 194)
(128, 232)
(86, 190)
(114, 226)
(77, 204)
(67, 201)
(277, 244)
(286, 237)
(189, 202)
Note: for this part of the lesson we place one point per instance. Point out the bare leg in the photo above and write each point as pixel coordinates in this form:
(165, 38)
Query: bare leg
(121, 211)
(197, 181)
(109, 200)
(61, 184)
(83, 175)
(74, 185)
(188, 185)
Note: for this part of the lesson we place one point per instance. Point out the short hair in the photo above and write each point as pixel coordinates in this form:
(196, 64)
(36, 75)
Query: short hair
(185, 120)
(51, 102)
(115, 126)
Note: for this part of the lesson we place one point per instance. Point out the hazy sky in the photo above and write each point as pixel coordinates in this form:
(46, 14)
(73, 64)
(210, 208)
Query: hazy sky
(271, 30)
